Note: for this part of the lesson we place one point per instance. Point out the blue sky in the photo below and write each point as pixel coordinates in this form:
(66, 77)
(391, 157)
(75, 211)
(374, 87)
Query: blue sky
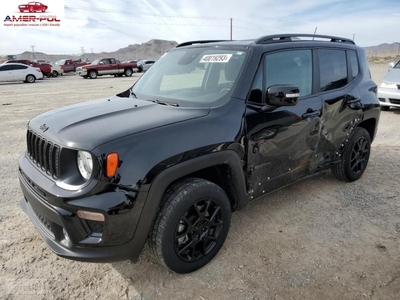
(99, 25)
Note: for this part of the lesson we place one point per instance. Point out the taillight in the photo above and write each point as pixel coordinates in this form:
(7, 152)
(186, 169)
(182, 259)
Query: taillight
(38, 69)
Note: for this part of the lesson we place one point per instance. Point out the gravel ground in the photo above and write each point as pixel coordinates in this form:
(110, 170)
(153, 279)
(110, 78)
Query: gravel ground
(317, 239)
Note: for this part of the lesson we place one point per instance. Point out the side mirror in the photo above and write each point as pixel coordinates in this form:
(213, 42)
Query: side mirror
(283, 95)
(101, 63)
(391, 65)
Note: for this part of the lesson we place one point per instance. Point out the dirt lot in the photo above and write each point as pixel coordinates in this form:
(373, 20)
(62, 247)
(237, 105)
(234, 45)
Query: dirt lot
(317, 239)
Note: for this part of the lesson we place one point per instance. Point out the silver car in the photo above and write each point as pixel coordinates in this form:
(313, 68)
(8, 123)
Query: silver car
(389, 90)
(144, 65)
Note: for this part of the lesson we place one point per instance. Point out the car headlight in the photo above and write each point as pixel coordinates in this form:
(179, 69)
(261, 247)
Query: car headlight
(85, 164)
(388, 85)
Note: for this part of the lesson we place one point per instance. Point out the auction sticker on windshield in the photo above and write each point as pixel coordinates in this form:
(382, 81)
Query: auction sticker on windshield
(215, 58)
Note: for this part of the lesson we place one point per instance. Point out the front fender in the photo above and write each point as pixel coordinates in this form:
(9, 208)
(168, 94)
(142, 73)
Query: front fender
(155, 190)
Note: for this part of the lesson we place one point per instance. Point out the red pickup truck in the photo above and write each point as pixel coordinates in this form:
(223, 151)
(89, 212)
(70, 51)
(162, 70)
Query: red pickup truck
(106, 66)
(70, 65)
(45, 68)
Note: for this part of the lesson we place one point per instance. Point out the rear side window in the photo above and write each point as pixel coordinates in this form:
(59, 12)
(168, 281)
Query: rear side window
(333, 69)
(353, 63)
(17, 67)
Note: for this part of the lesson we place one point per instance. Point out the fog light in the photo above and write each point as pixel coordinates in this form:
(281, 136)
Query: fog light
(89, 215)
(65, 234)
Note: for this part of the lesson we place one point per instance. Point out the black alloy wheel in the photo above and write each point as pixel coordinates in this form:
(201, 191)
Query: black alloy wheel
(355, 156)
(198, 230)
(191, 225)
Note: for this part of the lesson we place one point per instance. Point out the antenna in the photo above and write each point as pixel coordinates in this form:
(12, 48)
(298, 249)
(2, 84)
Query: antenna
(315, 31)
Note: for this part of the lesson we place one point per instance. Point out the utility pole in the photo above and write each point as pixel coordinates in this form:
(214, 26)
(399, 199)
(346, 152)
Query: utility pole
(82, 50)
(231, 29)
(33, 51)
(354, 36)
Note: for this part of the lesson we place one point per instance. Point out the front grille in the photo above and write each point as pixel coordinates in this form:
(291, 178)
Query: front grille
(95, 226)
(44, 154)
(394, 101)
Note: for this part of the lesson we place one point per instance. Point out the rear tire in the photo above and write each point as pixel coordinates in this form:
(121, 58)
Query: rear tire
(30, 79)
(191, 225)
(355, 157)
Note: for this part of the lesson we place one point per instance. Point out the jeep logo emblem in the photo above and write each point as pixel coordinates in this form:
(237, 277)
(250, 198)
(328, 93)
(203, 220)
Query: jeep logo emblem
(44, 128)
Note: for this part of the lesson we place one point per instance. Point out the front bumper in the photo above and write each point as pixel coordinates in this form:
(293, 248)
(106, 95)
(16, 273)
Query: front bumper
(389, 97)
(81, 73)
(74, 238)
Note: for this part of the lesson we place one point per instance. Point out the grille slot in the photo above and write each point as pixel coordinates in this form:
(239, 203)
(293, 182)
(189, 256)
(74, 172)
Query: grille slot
(394, 101)
(44, 154)
(95, 226)
(43, 220)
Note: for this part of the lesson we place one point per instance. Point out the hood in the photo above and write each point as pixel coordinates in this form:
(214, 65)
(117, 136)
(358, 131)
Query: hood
(90, 124)
(392, 76)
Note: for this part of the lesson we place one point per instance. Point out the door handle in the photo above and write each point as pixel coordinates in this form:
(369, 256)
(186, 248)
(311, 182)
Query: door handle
(310, 113)
(353, 101)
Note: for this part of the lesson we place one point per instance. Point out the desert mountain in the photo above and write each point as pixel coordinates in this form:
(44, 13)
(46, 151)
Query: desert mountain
(152, 49)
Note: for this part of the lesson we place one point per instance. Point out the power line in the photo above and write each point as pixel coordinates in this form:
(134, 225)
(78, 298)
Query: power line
(145, 14)
(148, 23)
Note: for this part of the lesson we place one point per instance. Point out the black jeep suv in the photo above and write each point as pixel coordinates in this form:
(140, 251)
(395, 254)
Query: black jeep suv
(210, 127)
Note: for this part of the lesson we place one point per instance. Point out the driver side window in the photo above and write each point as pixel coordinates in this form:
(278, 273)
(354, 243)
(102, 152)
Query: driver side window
(290, 67)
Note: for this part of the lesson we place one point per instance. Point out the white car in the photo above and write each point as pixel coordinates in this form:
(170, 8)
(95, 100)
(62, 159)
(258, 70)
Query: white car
(389, 90)
(56, 70)
(19, 72)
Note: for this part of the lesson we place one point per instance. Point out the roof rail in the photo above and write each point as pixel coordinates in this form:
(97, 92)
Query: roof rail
(278, 38)
(199, 42)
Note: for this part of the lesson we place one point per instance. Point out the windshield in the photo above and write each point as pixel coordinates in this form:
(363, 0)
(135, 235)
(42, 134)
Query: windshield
(191, 77)
(95, 62)
(397, 66)
(60, 62)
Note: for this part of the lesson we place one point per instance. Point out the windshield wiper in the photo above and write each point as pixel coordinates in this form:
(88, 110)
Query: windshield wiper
(133, 94)
(165, 103)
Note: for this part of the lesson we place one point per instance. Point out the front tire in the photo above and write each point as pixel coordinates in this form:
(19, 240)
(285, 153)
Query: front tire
(93, 74)
(55, 74)
(355, 157)
(128, 72)
(191, 225)
(140, 69)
